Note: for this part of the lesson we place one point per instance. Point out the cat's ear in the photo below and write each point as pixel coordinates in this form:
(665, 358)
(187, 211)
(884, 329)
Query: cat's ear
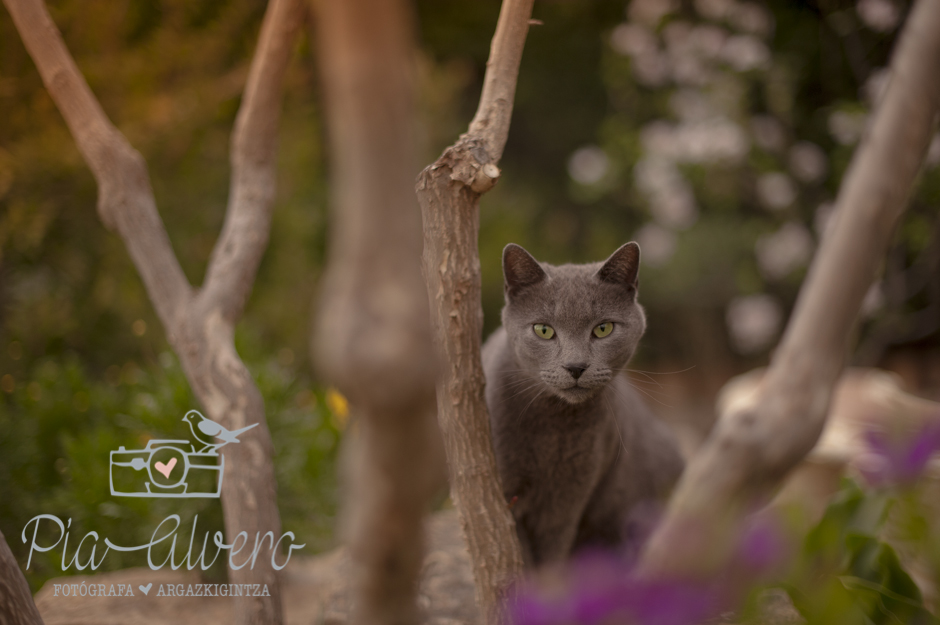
(622, 267)
(520, 269)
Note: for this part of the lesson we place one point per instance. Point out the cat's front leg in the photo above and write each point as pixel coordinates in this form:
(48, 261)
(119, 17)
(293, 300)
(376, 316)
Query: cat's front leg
(547, 524)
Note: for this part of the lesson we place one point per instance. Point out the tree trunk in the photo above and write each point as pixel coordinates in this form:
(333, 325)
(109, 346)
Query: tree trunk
(449, 192)
(199, 323)
(373, 336)
(753, 446)
(16, 602)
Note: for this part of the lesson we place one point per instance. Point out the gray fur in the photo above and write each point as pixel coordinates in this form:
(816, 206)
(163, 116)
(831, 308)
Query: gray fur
(577, 454)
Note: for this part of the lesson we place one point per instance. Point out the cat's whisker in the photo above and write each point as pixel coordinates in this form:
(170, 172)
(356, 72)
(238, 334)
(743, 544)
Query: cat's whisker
(648, 377)
(650, 387)
(528, 388)
(521, 414)
(659, 372)
(515, 383)
(623, 446)
(650, 383)
(649, 394)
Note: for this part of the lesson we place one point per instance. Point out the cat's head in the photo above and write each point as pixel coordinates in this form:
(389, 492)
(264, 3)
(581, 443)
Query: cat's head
(574, 327)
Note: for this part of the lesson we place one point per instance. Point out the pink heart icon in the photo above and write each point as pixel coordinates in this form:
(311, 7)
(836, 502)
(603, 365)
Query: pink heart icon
(167, 468)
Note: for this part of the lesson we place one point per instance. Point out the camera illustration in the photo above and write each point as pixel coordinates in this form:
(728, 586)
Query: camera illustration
(166, 468)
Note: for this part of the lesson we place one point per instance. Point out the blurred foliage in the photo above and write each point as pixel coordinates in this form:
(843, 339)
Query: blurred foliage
(848, 573)
(59, 430)
(82, 356)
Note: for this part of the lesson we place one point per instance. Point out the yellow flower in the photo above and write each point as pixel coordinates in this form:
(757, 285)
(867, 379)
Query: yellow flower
(339, 407)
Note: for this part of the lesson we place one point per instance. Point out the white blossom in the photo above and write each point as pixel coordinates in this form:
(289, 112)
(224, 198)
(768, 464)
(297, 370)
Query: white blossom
(847, 128)
(709, 140)
(753, 322)
(690, 69)
(708, 40)
(633, 40)
(768, 133)
(808, 162)
(690, 105)
(650, 12)
(656, 175)
(651, 69)
(751, 18)
(714, 9)
(746, 52)
(675, 207)
(775, 190)
(588, 165)
(880, 15)
(787, 249)
(670, 196)
(658, 244)
(677, 36)
(659, 139)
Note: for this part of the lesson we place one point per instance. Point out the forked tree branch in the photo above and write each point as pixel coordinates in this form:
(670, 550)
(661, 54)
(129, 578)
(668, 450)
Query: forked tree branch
(198, 324)
(753, 446)
(449, 192)
(244, 237)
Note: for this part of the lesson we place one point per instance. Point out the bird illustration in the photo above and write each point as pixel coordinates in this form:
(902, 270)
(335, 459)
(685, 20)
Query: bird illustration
(204, 430)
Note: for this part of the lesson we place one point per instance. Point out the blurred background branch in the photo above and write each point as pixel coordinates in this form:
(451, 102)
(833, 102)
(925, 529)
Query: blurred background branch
(754, 445)
(372, 338)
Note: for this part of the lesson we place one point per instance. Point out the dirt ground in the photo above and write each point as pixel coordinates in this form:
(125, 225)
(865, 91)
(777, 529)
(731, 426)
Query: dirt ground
(316, 590)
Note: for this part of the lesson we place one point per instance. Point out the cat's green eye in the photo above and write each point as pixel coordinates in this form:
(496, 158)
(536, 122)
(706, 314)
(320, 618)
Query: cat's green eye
(543, 331)
(603, 329)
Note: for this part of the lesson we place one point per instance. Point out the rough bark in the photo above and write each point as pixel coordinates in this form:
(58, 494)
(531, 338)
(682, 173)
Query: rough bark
(199, 323)
(754, 445)
(16, 602)
(373, 335)
(449, 191)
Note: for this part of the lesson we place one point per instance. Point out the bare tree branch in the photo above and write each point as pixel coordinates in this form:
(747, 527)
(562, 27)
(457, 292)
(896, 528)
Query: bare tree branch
(16, 602)
(199, 325)
(494, 112)
(244, 236)
(373, 336)
(754, 446)
(449, 192)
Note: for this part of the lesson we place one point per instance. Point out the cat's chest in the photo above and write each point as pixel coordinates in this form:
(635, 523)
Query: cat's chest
(547, 444)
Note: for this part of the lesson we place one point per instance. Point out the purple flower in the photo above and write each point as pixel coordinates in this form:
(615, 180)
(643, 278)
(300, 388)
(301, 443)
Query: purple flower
(898, 460)
(763, 547)
(601, 588)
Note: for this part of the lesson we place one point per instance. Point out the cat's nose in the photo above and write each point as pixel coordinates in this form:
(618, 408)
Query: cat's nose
(576, 369)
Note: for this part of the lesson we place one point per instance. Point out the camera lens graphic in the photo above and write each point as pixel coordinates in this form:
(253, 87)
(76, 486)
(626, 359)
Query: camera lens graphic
(168, 467)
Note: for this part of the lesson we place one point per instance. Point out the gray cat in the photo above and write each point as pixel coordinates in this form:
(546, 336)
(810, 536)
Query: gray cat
(576, 447)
